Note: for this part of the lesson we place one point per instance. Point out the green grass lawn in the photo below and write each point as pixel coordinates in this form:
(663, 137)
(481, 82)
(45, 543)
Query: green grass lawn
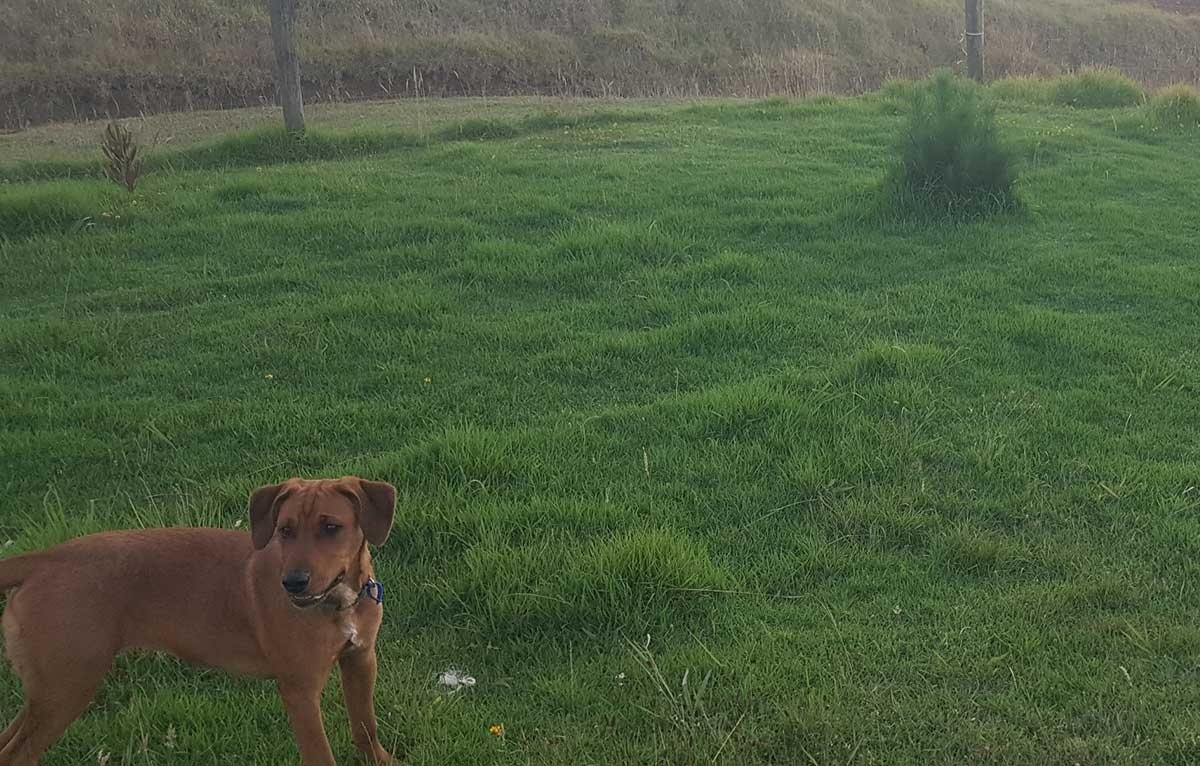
(700, 460)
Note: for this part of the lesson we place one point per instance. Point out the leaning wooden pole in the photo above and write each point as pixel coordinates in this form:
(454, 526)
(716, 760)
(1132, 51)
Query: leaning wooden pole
(287, 63)
(974, 36)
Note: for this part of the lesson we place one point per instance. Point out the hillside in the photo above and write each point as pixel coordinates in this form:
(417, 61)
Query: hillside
(83, 58)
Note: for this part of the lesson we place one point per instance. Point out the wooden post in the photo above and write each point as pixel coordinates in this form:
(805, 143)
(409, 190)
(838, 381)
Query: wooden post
(975, 40)
(287, 63)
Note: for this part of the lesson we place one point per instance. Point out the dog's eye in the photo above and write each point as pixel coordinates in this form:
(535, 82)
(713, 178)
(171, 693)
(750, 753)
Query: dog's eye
(287, 533)
(331, 529)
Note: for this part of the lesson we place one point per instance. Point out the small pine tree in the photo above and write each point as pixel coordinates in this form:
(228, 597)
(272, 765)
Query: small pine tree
(951, 155)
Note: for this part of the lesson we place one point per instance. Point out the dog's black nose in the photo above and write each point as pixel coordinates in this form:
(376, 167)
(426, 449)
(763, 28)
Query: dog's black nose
(296, 581)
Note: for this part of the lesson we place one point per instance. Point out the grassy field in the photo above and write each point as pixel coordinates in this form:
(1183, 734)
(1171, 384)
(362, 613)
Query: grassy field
(161, 134)
(82, 59)
(701, 459)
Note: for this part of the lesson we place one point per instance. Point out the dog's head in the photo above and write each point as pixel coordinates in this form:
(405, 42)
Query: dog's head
(320, 528)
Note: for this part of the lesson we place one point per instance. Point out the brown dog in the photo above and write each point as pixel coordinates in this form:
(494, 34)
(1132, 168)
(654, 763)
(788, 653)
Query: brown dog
(285, 602)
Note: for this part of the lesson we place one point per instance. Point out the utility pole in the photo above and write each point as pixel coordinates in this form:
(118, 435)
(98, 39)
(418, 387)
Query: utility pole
(287, 63)
(975, 40)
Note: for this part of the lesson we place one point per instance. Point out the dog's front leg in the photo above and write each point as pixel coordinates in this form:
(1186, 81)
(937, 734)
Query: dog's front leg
(358, 683)
(303, 704)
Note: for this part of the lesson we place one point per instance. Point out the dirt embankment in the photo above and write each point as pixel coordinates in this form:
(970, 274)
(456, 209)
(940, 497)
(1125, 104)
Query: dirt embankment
(79, 60)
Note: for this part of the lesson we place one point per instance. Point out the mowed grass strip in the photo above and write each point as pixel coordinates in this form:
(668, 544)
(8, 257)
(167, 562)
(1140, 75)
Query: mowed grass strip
(701, 460)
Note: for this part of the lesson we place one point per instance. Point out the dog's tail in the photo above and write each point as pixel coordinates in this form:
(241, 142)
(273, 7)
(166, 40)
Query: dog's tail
(15, 570)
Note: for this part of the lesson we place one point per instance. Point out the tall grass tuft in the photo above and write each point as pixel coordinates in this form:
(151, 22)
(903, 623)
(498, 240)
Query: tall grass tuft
(1097, 89)
(1176, 107)
(30, 211)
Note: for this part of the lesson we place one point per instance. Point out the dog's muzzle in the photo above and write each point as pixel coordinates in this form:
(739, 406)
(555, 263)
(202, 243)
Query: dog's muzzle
(296, 581)
(307, 602)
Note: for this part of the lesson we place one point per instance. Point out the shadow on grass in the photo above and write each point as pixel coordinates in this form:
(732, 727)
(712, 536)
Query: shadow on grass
(275, 147)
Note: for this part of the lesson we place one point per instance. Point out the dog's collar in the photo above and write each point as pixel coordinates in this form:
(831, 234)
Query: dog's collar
(372, 589)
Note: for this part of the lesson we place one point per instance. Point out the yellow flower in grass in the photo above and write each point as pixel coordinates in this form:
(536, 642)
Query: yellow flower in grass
(497, 730)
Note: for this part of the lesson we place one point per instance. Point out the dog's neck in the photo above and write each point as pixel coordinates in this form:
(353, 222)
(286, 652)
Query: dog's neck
(348, 593)
(342, 601)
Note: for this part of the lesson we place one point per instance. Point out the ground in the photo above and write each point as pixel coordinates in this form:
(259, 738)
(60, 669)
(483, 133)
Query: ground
(702, 459)
(1175, 6)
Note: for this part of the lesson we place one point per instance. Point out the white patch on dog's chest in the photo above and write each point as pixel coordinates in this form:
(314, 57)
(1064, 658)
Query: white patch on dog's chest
(350, 629)
(343, 598)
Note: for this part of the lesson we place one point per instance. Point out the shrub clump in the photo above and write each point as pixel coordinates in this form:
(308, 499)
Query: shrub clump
(1024, 90)
(1176, 107)
(1097, 89)
(951, 154)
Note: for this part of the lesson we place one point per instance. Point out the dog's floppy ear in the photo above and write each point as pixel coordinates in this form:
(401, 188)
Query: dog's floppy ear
(376, 508)
(264, 508)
